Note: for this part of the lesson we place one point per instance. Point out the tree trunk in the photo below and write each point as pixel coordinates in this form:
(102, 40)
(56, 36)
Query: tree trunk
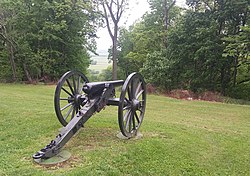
(27, 73)
(114, 53)
(10, 48)
(113, 10)
(12, 62)
(235, 71)
(222, 77)
(166, 19)
(165, 15)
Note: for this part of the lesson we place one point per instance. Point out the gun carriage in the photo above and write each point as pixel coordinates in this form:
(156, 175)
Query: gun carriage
(76, 100)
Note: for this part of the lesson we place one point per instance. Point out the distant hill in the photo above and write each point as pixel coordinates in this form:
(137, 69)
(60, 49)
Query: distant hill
(103, 53)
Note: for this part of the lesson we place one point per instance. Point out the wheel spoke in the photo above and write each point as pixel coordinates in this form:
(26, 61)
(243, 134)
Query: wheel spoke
(139, 94)
(70, 110)
(127, 107)
(66, 106)
(64, 99)
(70, 86)
(133, 89)
(129, 94)
(133, 119)
(140, 110)
(138, 88)
(78, 84)
(125, 117)
(67, 92)
(76, 109)
(73, 113)
(128, 121)
(74, 84)
(130, 124)
(137, 118)
(128, 101)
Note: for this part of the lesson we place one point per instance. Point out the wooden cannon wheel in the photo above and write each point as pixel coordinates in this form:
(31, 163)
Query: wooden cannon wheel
(69, 96)
(132, 105)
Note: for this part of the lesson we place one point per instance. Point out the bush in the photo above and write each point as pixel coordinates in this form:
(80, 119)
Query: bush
(240, 91)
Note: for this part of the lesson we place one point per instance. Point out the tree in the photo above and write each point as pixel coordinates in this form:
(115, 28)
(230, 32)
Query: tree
(196, 50)
(112, 13)
(238, 47)
(51, 37)
(163, 7)
(147, 36)
(6, 14)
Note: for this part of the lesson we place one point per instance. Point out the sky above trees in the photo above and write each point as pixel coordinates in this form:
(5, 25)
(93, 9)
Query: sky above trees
(136, 9)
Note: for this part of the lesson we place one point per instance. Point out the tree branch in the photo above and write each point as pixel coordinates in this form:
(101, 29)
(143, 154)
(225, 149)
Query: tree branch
(119, 13)
(111, 12)
(107, 21)
(243, 81)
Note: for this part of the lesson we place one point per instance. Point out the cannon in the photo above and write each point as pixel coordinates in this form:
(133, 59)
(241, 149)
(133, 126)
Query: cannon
(76, 100)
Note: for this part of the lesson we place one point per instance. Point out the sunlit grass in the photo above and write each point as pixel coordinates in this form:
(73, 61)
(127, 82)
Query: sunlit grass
(179, 137)
(102, 63)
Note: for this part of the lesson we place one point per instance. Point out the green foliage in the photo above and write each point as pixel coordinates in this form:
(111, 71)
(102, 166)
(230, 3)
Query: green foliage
(50, 37)
(92, 75)
(106, 74)
(156, 70)
(205, 47)
(240, 91)
(5, 66)
(238, 47)
(130, 56)
(196, 51)
(144, 38)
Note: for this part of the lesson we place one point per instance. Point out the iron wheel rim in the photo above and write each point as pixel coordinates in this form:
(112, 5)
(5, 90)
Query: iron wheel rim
(69, 96)
(132, 105)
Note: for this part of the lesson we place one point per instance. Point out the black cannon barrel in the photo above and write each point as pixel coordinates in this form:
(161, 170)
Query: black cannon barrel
(93, 87)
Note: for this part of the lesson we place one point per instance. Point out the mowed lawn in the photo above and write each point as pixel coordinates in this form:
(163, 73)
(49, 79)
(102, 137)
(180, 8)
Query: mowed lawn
(179, 137)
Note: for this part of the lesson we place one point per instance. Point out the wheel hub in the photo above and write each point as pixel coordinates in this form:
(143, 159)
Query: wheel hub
(136, 104)
(77, 100)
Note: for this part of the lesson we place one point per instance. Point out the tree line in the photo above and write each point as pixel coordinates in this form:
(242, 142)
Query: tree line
(203, 48)
(41, 39)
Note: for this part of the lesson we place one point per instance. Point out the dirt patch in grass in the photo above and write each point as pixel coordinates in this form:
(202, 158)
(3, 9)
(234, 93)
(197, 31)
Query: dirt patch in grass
(70, 163)
(187, 94)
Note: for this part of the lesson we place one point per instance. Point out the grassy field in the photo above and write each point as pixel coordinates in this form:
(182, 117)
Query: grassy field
(102, 63)
(179, 138)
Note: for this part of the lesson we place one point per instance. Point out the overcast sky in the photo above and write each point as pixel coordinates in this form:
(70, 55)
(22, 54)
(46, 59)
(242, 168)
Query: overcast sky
(136, 9)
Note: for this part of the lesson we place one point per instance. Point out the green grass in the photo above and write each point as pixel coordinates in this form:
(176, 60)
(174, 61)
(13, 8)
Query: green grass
(102, 63)
(179, 137)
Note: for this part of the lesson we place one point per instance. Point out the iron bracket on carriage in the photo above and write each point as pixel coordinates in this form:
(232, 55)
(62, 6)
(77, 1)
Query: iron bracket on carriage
(76, 100)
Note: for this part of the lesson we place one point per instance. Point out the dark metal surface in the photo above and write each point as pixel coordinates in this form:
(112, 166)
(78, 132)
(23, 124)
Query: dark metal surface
(132, 105)
(69, 97)
(67, 132)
